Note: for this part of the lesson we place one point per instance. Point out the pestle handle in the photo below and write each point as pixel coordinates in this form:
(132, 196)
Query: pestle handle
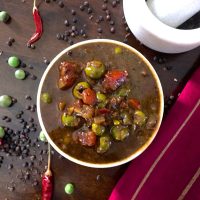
(174, 12)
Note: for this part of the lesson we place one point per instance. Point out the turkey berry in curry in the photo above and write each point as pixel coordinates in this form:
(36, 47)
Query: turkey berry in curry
(112, 109)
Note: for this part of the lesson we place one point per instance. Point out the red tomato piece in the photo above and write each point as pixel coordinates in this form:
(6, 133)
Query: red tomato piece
(68, 73)
(89, 96)
(87, 138)
(134, 103)
(103, 111)
(114, 79)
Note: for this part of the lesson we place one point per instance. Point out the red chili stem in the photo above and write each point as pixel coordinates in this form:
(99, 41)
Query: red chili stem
(49, 157)
(38, 25)
(34, 4)
(47, 180)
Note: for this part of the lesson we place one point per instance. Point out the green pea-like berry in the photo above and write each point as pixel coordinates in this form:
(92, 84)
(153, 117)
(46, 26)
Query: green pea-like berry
(4, 16)
(118, 50)
(5, 101)
(14, 61)
(95, 69)
(80, 86)
(42, 137)
(69, 120)
(101, 97)
(20, 74)
(46, 98)
(139, 118)
(69, 188)
(2, 132)
(98, 129)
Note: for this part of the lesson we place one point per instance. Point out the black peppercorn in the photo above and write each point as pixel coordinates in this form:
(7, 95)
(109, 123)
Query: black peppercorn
(104, 7)
(73, 12)
(112, 30)
(61, 4)
(81, 7)
(99, 30)
(86, 3)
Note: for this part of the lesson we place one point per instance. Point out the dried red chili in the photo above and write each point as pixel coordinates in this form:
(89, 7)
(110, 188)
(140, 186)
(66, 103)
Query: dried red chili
(47, 181)
(38, 25)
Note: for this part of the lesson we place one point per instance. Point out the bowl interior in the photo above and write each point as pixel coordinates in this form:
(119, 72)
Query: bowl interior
(49, 115)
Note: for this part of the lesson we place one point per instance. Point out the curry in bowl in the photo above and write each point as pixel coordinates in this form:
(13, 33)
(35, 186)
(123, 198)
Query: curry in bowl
(100, 103)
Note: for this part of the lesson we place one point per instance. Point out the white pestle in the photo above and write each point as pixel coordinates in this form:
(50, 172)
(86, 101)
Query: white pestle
(174, 12)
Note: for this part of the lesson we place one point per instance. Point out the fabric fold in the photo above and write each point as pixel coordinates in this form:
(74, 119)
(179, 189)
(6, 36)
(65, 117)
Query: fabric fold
(166, 169)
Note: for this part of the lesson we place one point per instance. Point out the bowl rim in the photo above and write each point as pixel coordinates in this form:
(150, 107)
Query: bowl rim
(135, 153)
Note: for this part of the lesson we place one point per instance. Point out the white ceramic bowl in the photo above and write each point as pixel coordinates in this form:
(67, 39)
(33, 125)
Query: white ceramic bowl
(155, 34)
(112, 164)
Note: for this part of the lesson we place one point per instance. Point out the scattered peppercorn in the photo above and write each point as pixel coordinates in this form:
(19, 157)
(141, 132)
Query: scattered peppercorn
(89, 10)
(104, 7)
(32, 46)
(175, 80)
(98, 177)
(114, 3)
(81, 7)
(61, 4)
(168, 67)
(69, 53)
(71, 42)
(14, 100)
(66, 22)
(108, 12)
(73, 12)
(11, 39)
(33, 77)
(10, 166)
(9, 43)
(127, 29)
(22, 65)
(99, 30)
(112, 22)
(86, 3)
(8, 120)
(112, 30)
(108, 17)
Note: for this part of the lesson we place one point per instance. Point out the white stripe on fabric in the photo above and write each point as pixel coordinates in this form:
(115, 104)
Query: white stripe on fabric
(189, 185)
(164, 151)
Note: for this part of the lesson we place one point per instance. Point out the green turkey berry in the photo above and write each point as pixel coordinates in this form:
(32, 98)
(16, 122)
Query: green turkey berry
(69, 188)
(5, 101)
(4, 16)
(20, 74)
(46, 97)
(42, 137)
(14, 61)
(2, 132)
(118, 50)
(94, 69)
